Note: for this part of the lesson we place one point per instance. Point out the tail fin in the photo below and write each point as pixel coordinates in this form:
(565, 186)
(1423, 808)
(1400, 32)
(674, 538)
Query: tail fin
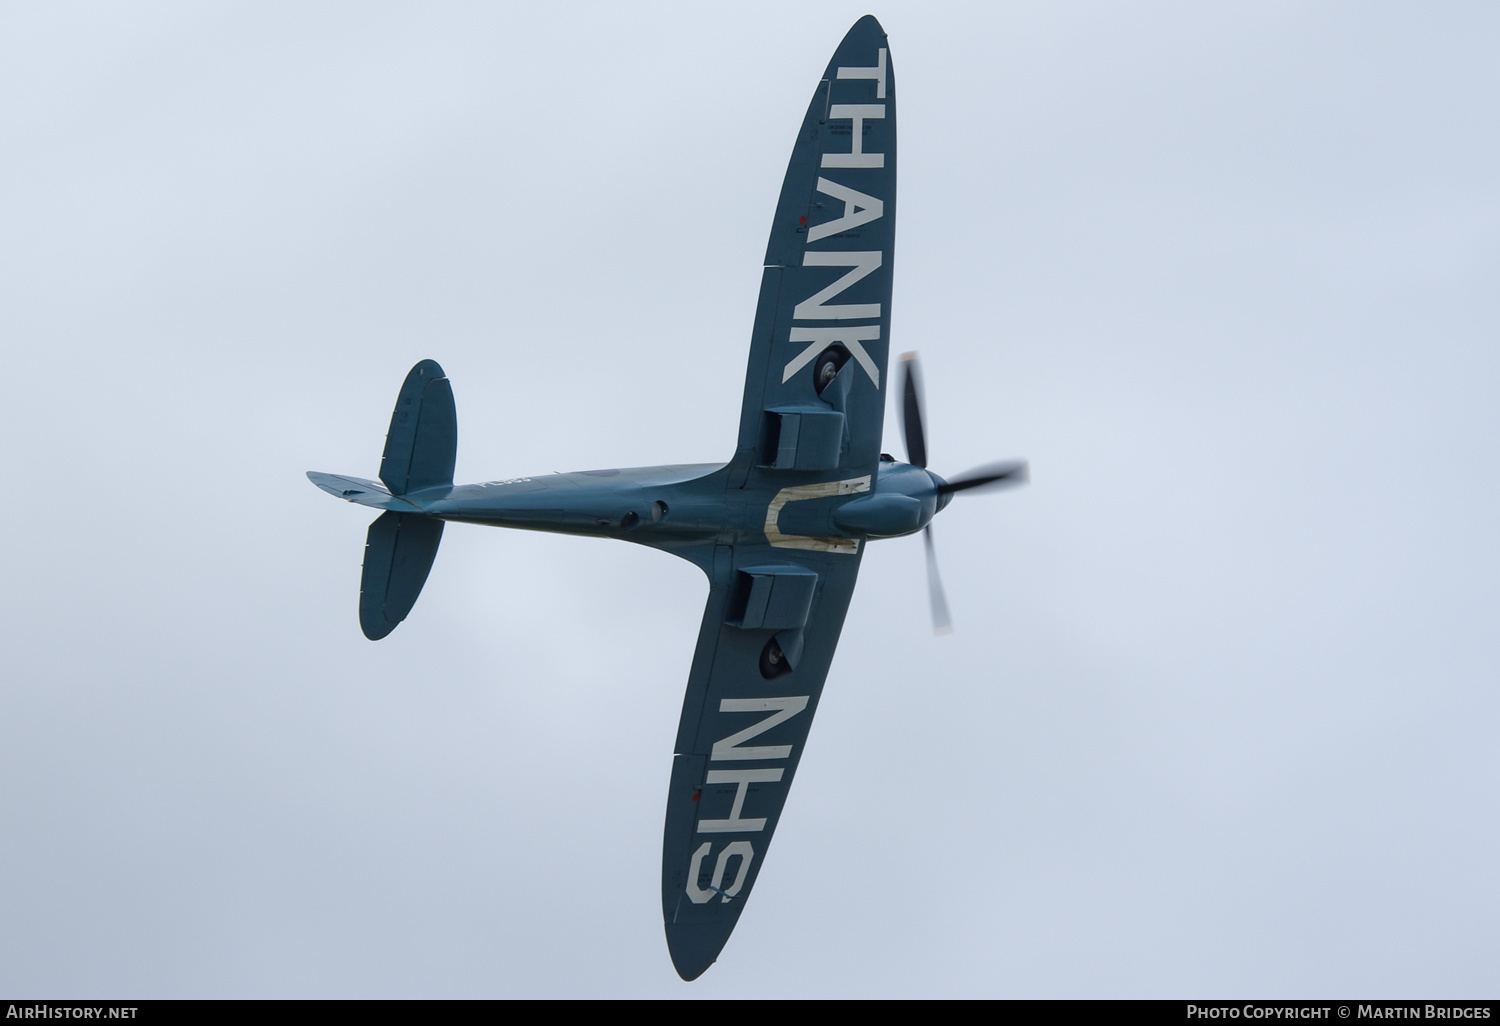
(420, 449)
(422, 443)
(419, 453)
(399, 551)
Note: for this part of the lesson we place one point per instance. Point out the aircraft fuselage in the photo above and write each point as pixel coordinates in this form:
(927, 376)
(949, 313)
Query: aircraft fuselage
(681, 506)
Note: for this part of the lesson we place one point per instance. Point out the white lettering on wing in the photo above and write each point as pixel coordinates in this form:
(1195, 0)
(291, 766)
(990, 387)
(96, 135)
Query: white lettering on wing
(742, 778)
(849, 336)
(857, 113)
(858, 209)
(698, 895)
(781, 710)
(816, 308)
(877, 73)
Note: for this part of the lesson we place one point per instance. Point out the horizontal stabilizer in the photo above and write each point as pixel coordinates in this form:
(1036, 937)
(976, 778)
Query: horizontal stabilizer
(422, 443)
(357, 489)
(399, 551)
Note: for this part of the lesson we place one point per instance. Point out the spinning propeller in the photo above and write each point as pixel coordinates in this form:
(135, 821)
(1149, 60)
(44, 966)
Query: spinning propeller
(988, 476)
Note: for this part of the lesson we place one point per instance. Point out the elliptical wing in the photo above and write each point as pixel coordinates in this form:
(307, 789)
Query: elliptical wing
(742, 732)
(826, 284)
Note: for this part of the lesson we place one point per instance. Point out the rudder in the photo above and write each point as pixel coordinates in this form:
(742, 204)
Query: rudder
(422, 443)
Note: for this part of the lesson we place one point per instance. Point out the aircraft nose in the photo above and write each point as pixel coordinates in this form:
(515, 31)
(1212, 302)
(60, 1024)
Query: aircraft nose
(943, 497)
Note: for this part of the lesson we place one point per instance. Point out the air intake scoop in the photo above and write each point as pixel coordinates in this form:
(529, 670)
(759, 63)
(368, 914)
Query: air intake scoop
(879, 516)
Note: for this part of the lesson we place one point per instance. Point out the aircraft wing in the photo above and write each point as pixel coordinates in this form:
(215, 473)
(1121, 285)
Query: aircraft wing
(741, 735)
(826, 283)
(809, 439)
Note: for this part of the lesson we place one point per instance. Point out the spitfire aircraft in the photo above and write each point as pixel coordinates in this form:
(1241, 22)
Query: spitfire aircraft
(780, 529)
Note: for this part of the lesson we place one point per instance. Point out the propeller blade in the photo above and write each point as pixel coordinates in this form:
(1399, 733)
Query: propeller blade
(941, 622)
(989, 476)
(911, 412)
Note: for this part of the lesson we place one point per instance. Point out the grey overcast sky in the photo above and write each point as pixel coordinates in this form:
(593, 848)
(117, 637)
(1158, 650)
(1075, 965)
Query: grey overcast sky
(1219, 715)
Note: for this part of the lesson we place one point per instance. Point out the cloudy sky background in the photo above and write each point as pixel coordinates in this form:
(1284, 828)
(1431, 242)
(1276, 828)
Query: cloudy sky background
(1219, 714)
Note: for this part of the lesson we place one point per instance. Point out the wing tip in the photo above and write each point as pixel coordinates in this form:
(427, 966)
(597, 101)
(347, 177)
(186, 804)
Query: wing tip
(696, 946)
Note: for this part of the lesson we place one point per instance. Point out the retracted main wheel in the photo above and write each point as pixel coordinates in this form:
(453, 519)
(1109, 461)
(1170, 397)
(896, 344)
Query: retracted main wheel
(828, 365)
(773, 661)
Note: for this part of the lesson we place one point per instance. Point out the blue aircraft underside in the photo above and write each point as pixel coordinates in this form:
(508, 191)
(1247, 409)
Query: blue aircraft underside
(663, 507)
(780, 529)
